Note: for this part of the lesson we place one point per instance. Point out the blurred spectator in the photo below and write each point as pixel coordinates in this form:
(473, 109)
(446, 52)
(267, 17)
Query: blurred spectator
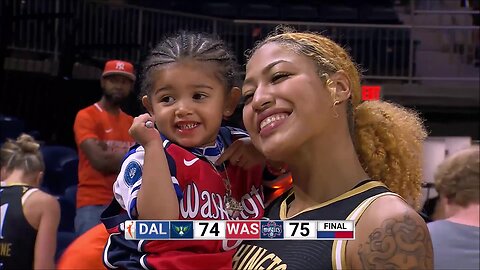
(86, 251)
(29, 217)
(101, 134)
(433, 210)
(456, 239)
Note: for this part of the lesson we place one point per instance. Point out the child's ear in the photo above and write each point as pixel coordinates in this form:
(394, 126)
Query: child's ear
(233, 98)
(147, 104)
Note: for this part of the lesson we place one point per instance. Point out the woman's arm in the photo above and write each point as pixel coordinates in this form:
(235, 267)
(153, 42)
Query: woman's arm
(390, 235)
(46, 242)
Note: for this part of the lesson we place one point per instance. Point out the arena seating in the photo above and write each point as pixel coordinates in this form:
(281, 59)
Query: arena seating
(10, 127)
(61, 165)
(368, 11)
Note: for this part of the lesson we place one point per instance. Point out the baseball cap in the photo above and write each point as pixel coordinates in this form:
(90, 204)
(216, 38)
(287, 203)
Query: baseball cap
(119, 67)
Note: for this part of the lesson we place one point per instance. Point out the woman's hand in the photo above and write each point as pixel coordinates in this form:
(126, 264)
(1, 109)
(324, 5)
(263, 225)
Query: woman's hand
(243, 154)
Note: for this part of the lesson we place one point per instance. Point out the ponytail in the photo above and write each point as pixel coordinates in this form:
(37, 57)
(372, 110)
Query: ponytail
(389, 142)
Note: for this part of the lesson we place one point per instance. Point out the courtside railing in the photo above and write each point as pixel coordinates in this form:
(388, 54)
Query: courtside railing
(98, 30)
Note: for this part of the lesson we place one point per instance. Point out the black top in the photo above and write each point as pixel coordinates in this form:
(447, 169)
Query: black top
(307, 254)
(17, 236)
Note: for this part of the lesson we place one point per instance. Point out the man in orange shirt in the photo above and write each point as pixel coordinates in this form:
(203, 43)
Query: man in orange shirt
(101, 135)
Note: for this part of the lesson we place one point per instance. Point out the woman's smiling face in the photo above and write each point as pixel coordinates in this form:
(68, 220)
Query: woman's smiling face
(286, 101)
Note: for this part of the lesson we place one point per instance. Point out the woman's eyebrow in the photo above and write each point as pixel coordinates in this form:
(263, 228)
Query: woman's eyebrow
(266, 69)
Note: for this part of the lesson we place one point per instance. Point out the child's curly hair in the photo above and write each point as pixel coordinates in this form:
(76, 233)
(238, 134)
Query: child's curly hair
(388, 137)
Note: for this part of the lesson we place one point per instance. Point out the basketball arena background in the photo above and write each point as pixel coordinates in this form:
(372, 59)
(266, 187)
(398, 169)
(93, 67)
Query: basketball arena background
(424, 54)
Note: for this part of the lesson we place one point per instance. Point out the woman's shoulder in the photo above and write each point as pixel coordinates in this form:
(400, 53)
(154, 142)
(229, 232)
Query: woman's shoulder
(39, 206)
(390, 207)
(43, 200)
(391, 233)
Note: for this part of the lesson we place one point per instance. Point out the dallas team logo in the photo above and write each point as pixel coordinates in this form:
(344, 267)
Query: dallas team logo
(129, 227)
(271, 229)
(181, 229)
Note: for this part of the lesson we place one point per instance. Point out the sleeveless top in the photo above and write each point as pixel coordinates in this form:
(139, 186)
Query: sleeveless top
(17, 236)
(309, 254)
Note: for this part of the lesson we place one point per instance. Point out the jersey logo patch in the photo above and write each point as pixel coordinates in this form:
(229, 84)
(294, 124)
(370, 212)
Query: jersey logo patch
(133, 173)
(189, 163)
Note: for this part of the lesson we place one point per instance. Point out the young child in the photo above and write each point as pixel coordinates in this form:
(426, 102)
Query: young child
(188, 89)
(28, 217)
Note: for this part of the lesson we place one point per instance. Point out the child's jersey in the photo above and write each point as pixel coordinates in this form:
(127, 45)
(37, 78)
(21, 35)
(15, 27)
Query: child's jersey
(201, 191)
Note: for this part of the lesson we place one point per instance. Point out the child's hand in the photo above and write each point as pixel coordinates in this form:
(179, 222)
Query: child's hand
(143, 130)
(242, 153)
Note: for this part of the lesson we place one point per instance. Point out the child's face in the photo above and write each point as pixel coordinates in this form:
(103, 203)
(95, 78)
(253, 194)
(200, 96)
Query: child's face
(188, 102)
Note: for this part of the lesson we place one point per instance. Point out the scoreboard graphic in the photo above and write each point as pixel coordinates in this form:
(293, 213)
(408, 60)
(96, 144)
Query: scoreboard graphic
(239, 230)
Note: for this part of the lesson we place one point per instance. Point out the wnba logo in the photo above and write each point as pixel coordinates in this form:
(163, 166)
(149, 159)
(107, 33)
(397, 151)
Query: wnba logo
(129, 228)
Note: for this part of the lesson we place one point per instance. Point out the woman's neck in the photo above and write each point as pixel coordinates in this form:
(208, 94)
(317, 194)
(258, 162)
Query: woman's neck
(18, 177)
(322, 171)
(469, 215)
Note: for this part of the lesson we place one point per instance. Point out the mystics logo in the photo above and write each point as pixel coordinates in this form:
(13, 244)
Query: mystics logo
(271, 229)
(130, 229)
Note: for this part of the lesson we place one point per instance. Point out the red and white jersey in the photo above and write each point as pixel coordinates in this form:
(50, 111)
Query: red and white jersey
(201, 192)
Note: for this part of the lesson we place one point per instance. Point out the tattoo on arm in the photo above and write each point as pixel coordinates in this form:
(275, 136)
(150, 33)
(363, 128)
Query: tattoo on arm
(398, 244)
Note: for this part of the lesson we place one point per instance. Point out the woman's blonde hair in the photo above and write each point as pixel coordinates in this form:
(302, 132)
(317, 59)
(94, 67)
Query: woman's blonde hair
(388, 137)
(22, 154)
(458, 177)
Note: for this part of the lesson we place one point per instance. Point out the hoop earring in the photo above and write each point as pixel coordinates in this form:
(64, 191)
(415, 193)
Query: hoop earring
(335, 103)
